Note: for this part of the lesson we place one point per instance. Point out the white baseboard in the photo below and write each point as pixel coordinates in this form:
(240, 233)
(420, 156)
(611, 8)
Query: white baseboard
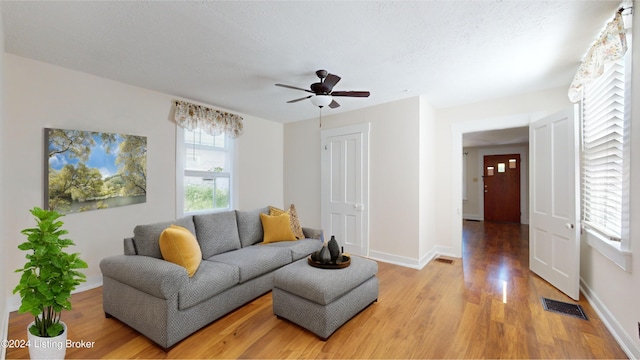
(91, 283)
(475, 217)
(395, 259)
(410, 262)
(446, 251)
(617, 331)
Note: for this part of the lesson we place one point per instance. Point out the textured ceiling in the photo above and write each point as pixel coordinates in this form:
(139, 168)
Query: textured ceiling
(230, 54)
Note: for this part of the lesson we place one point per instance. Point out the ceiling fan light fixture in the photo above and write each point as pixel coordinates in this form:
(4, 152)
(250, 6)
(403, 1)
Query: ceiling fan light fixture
(321, 100)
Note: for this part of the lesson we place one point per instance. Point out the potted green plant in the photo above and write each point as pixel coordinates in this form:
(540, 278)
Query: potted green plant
(48, 278)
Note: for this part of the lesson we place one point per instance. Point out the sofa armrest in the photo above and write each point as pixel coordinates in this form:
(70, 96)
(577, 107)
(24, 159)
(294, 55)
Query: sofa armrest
(311, 233)
(156, 277)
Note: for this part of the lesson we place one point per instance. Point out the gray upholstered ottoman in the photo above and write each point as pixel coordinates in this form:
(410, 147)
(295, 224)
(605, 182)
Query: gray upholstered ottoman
(322, 300)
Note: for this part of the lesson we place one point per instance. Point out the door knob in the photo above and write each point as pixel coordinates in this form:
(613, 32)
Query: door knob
(358, 207)
(569, 226)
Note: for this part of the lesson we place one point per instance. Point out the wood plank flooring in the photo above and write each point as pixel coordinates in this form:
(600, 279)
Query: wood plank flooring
(445, 310)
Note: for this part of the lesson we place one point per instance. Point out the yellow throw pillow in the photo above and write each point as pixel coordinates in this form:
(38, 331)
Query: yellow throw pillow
(295, 221)
(276, 228)
(179, 246)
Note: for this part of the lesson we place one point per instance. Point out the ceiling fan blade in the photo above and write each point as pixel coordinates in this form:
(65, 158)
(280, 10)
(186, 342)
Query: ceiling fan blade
(351, 93)
(334, 104)
(293, 87)
(331, 81)
(296, 100)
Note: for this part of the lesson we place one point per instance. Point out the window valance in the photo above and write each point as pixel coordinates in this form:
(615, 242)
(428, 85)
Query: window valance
(610, 46)
(211, 121)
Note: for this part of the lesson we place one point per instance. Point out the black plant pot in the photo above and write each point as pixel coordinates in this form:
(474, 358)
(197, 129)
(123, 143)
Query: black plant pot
(325, 255)
(334, 249)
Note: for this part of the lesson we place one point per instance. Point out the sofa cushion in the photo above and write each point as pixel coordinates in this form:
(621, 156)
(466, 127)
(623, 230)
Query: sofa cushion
(250, 226)
(277, 228)
(217, 233)
(146, 237)
(296, 228)
(299, 249)
(254, 261)
(179, 246)
(212, 278)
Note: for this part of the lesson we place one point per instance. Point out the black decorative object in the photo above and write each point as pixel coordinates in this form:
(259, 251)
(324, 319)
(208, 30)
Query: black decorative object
(343, 262)
(315, 256)
(330, 256)
(334, 249)
(325, 255)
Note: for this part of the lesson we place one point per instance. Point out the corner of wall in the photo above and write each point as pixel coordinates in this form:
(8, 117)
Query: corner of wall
(4, 313)
(417, 264)
(427, 187)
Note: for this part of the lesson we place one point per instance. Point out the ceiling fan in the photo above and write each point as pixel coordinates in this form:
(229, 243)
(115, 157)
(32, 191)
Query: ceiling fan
(322, 92)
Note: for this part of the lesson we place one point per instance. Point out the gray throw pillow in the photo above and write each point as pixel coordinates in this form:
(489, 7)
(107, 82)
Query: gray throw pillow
(146, 237)
(250, 226)
(217, 233)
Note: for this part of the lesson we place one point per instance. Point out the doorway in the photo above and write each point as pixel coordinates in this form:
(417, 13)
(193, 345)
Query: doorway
(501, 186)
(457, 132)
(562, 140)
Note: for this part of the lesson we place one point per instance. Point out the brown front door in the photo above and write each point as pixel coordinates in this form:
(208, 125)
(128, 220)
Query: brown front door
(502, 188)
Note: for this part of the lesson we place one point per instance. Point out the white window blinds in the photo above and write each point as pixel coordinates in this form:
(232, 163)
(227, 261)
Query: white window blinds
(603, 141)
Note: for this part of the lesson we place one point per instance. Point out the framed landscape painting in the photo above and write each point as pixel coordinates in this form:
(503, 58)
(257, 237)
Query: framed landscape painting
(86, 170)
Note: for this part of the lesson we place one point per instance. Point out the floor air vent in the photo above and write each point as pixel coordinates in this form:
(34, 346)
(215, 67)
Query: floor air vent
(446, 261)
(564, 308)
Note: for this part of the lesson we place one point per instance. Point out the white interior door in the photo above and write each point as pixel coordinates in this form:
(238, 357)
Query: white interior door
(345, 187)
(554, 238)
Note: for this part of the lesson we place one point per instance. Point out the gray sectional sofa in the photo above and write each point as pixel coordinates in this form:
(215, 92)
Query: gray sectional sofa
(158, 298)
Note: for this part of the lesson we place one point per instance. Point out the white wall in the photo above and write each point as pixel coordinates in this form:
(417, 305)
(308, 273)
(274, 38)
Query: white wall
(302, 170)
(427, 184)
(39, 95)
(259, 164)
(5, 288)
(396, 159)
(471, 205)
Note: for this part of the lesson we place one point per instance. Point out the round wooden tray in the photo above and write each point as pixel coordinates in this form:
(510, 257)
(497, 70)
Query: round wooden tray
(342, 263)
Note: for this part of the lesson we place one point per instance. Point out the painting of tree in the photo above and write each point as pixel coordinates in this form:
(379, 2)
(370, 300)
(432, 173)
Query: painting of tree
(92, 170)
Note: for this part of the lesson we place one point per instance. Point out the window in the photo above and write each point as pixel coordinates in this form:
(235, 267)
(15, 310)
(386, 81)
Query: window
(606, 118)
(205, 180)
(603, 128)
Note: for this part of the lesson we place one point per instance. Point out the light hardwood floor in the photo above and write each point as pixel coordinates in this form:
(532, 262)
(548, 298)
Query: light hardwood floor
(442, 311)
